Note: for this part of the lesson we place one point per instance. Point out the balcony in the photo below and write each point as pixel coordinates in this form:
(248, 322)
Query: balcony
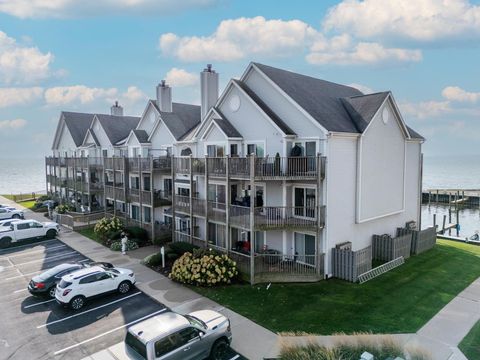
(239, 216)
(140, 164)
(162, 164)
(162, 198)
(283, 217)
(96, 186)
(114, 163)
(217, 211)
(182, 204)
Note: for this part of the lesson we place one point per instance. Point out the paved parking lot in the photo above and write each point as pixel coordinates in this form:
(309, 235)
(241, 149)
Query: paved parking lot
(38, 328)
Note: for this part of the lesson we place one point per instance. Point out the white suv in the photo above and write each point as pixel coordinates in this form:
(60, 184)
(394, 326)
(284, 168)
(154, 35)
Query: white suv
(75, 288)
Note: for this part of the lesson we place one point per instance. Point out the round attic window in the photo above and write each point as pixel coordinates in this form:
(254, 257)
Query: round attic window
(234, 103)
(385, 115)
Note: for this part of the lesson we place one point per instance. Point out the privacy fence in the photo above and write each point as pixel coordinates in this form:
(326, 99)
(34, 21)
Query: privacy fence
(348, 264)
(386, 248)
(422, 240)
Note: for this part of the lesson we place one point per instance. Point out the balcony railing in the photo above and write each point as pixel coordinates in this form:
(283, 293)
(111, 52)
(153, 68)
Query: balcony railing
(120, 194)
(285, 217)
(240, 216)
(162, 198)
(163, 164)
(117, 163)
(139, 164)
(146, 197)
(182, 203)
(217, 167)
(216, 211)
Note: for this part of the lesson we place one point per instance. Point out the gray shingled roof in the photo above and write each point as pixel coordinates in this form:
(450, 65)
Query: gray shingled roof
(270, 113)
(141, 136)
(77, 124)
(226, 126)
(182, 120)
(336, 107)
(319, 98)
(117, 127)
(362, 108)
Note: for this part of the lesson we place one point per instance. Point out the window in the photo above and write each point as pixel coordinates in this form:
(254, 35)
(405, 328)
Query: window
(304, 200)
(166, 345)
(216, 234)
(215, 151)
(88, 279)
(147, 217)
(102, 276)
(105, 153)
(255, 149)
(146, 183)
(233, 149)
(167, 186)
(216, 194)
(135, 212)
(305, 248)
(24, 226)
(135, 182)
(137, 345)
(34, 225)
(188, 335)
(183, 191)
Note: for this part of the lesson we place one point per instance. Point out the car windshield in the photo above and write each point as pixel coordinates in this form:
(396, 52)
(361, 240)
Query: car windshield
(196, 321)
(63, 284)
(136, 345)
(115, 271)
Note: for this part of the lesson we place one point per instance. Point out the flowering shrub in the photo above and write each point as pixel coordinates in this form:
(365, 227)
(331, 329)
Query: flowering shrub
(117, 245)
(106, 226)
(204, 268)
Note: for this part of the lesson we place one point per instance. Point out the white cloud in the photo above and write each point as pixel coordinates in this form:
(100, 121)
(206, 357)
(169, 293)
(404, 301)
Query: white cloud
(22, 64)
(180, 78)
(419, 20)
(75, 8)
(455, 93)
(426, 109)
(63, 95)
(363, 88)
(12, 124)
(239, 38)
(359, 54)
(131, 97)
(19, 96)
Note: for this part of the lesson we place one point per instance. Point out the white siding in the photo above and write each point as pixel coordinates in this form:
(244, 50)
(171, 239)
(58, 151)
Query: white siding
(161, 138)
(148, 121)
(341, 224)
(252, 124)
(102, 137)
(288, 112)
(66, 143)
(381, 169)
(215, 135)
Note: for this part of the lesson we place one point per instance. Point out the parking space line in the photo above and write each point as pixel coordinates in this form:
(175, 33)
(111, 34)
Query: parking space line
(22, 246)
(34, 252)
(108, 332)
(235, 357)
(38, 260)
(40, 303)
(87, 311)
(17, 291)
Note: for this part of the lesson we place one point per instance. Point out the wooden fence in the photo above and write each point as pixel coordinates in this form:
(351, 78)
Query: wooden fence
(348, 264)
(77, 221)
(386, 248)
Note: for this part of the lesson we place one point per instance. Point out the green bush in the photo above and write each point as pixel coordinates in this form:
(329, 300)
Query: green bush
(117, 245)
(106, 226)
(182, 247)
(162, 238)
(114, 234)
(153, 259)
(43, 198)
(204, 269)
(63, 208)
(40, 209)
(138, 233)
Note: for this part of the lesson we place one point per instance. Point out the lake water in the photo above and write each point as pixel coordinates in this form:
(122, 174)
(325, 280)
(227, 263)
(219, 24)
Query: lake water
(462, 172)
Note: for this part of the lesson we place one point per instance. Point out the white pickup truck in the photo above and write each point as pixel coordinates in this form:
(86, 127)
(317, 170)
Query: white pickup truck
(28, 229)
(10, 213)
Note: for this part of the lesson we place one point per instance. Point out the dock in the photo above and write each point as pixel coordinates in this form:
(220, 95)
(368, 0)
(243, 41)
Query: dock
(452, 197)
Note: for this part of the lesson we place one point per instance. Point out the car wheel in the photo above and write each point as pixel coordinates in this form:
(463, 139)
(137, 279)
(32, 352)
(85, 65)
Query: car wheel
(219, 350)
(124, 287)
(51, 234)
(5, 242)
(16, 216)
(77, 302)
(51, 291)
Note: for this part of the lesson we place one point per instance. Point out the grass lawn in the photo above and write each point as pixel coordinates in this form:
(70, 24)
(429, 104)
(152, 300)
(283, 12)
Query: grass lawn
(88, 232)
(400, 301)
(27, 204)
(470, 344)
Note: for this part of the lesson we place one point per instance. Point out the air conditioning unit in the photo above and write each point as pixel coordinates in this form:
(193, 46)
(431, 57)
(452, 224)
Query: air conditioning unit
(411, 225)
(344, 246)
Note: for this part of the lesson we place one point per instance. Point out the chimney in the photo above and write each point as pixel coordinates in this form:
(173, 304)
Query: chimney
(116, 109)
(208, 89)
(164, 97)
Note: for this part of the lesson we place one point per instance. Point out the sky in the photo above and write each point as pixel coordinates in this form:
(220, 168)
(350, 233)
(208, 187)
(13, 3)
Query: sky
(78, 55)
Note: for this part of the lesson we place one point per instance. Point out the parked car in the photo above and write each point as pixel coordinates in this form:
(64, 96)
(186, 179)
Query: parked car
(5, 224)
(46, 282)
(10, 213)
(28, 229)
(74, 289)
(171, 336)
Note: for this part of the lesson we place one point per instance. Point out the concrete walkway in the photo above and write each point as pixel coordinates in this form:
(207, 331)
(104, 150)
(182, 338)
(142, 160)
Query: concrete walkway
(439, 337)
